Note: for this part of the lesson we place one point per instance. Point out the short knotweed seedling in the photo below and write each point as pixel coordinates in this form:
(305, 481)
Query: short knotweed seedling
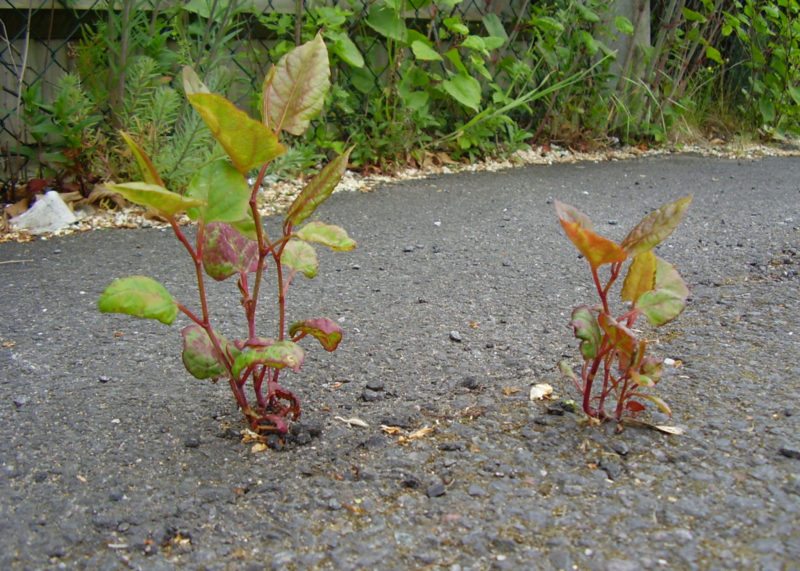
(232, 241)
(611, 350)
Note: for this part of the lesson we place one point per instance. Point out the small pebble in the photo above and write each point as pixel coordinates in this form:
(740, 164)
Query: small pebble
(103, 379)
(192, 442)
(455, 336)
(790, 452)
(408, 249)
(436, 490)
(375, 385)
(470, 383)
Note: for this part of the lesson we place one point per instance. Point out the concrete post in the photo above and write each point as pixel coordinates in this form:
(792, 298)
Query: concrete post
(629, 48)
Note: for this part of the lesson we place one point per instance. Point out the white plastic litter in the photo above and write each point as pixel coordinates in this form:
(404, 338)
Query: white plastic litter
(49, 214)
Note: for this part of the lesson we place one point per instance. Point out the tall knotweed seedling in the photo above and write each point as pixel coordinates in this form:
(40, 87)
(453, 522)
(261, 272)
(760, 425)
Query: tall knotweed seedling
(611, 351)
(231, 240)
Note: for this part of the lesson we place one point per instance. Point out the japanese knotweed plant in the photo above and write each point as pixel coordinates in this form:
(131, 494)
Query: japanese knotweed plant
(613, 356)
(232, 242)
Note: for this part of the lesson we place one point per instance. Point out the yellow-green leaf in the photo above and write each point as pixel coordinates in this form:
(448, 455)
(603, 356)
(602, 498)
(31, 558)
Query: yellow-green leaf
(641, 276)
(248, 142)
(149, 172)
(329, 235)
(156, 197)
(139, 296)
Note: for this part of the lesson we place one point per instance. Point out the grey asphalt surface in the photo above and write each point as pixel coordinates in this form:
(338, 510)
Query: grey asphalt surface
(113, 457)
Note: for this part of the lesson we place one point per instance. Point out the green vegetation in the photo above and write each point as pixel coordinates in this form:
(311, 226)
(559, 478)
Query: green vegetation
(421, 81)
(231, 239)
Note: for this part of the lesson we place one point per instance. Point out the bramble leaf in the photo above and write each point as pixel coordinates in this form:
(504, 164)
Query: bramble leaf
(199, 355)
(139, 296)
(326, 331)
(156, 197)
(294, 89)
(595, 248)
(226, 252)
(584, 324)
(248, 142)
(276, 356)
(641, 276)
(318, 189)
(149, 172)
(224, 191)
(334, 237)
(302, 257)
(668, 299)
(655, 227)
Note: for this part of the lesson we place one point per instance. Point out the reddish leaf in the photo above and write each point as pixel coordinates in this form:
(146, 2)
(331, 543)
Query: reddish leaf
(595, 248)
(620, 337)
(199, 356)
(276, 356)
(226, 252)
(634, 406)
(327, 332)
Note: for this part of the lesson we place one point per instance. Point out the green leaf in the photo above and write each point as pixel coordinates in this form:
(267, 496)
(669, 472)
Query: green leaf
(294, 90)
(302, 257)
(224, 191)
(494, 26)
(713, 54)
(474, 43)
(248, 142)
(586, 14)
(318, 189)
(334, 237)
(346, 50)
(149, 172)
(624, 25)
(276, 356)
(465, 89)
(226, 252)
(156, 197)
(655, 227)
(641, 276)
(767, 108)
(326, 331)
(139, 296)
(387, 22)
(585, 327)
(595, 248)
(547, 24)
(455, 25)
(199, 355)
(794, 91)
(668, 299)
(424, 52)
(693, 16)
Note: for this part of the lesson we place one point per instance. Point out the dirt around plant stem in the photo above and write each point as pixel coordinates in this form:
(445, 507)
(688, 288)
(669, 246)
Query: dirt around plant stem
(456, 301)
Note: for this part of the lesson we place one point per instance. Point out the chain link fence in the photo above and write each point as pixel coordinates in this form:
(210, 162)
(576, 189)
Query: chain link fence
(38, 39)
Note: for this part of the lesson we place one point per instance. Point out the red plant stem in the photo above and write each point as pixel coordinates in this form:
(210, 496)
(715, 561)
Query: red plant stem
(600, 291)
(263, 249)
(258, 379)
